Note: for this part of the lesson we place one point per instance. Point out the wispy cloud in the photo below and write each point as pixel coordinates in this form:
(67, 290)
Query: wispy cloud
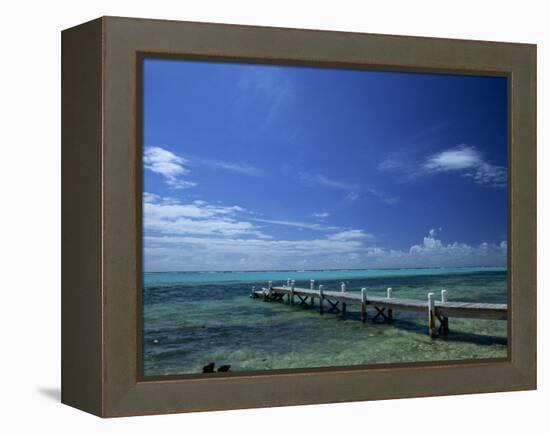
(297, 224)
(404, 161)
(468, 161)
(232, 166)
(202, 235)
(172, 167)
(352, 196)
(313, 179)
(392, 163)
(199, 253)
(352, 234)
(317, 179)
(346, 249)
(168, 165)
(321, 215)
(464, 160)
(196, 218)
(267, 90)
(390, 200)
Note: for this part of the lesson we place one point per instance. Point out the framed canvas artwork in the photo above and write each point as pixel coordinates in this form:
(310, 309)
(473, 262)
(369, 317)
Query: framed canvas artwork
(260, 216)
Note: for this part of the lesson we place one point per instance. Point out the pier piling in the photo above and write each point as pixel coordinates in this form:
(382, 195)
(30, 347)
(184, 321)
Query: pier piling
(431, 314)
(363, 304)
(390, 311)
(343, 290)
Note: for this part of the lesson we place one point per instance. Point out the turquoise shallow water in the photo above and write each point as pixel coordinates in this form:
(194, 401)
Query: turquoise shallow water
(191, 319)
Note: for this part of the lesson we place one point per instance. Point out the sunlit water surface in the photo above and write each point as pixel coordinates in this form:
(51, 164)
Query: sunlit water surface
(191, 319)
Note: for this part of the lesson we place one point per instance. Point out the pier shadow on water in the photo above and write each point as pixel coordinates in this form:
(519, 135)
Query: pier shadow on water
(409, 322)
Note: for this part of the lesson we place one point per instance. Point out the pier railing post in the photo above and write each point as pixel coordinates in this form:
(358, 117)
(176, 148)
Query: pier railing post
(270, 288)
(312, 284)
(321, 295)
(390, 311)
(287, 283)
(343, 289)
(444, 329)
(431, 314)
(363, 304)
(292, 283)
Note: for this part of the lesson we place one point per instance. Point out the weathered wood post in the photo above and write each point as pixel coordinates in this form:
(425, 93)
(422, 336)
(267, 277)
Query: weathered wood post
(321, 299)
(444, 319)
(343, 289)
(390, 311)
(253, 292)
(431, 314)
(287, 282)
(292, 283)
(363, 304)
(312, 287)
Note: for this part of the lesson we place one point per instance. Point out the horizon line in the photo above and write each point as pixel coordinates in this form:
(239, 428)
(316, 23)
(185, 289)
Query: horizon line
(325, 269)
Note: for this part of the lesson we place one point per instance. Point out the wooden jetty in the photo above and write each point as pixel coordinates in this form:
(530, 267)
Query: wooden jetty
(436, 310)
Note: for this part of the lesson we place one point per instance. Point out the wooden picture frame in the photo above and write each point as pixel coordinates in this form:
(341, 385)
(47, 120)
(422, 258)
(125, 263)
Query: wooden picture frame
(101, 220)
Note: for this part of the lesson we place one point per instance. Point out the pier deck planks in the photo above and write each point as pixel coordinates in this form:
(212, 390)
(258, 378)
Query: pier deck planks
(443, 309)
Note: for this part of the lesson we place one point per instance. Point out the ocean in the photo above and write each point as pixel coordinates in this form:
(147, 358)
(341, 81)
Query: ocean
(193, 318)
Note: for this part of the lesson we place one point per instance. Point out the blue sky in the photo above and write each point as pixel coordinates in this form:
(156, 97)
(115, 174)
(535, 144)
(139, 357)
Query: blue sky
(258, 167)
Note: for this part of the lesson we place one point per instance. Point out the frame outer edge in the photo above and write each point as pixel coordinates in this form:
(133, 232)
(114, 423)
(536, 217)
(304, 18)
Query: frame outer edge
(525, 150)
(81, 213)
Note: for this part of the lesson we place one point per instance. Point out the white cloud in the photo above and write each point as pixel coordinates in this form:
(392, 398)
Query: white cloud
(459, 158)
(468, 161)
(458, 254)
(321, 215)
(150, 197)
(204, 236)
(352, 196)
(196, 218)
(201, 253)
(168, 165)
(216, 253)
(434, 231)
(464, 160)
